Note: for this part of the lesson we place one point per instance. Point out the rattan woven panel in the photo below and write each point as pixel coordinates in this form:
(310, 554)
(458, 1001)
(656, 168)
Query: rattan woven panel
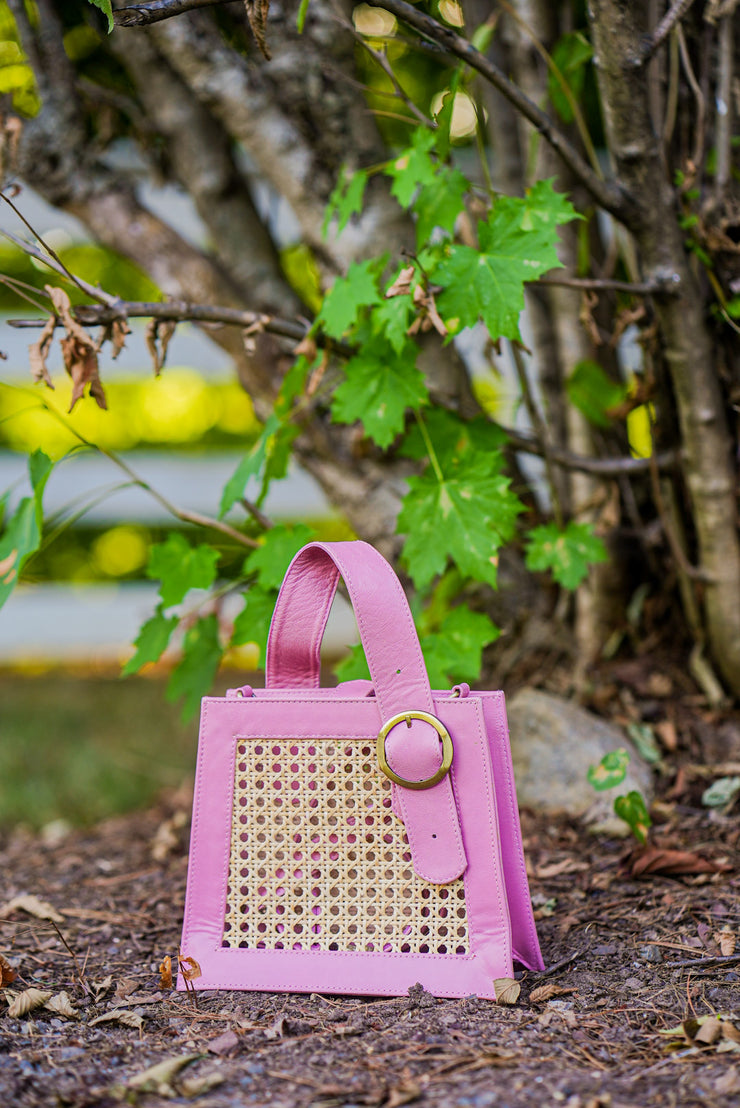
(320, 862)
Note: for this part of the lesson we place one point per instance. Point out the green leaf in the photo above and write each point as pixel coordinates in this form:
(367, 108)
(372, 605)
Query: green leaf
(346, 198)
(277, 457)
(251, 465)
(454, 653)
(349, 295)
(721, 793)
(439, 203)
(413, 167)
(301, 18)
(633, 810)
(379, 386)
(22, 534)
(466, 516)
(610, 771)
(593, 393)
(193, 676)
(151, 642)
(252, 625)
(643, 737)
(489, 284)
(571, 55)
(354, 666)
(181, 567)
(545, 207)
(278, 547)
(392, 318)
(454, 438)
(105, 7)
(568, 553)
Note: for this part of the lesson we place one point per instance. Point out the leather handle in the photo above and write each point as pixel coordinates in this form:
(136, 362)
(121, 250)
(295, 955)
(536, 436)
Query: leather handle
(383, 616)
(399, 677)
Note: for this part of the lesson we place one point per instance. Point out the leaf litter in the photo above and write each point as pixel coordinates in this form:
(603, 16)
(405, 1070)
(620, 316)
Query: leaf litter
(618, 1014)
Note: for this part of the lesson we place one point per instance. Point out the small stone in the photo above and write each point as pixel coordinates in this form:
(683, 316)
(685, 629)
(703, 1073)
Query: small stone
(650, 953)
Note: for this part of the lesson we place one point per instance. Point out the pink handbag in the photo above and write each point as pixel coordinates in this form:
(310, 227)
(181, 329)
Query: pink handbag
(357, 839)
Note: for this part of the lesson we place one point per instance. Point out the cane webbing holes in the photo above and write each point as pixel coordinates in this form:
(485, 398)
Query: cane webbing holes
(356, 875)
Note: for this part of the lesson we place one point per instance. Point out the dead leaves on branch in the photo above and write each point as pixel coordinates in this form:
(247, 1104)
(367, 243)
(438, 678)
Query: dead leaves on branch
(257, 15)
(158, 334)
(79, 351)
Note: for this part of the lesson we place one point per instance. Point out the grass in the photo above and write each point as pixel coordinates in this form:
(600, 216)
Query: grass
(82, 748)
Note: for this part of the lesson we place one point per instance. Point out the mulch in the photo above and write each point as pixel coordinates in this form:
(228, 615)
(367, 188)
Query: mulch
(630, 959)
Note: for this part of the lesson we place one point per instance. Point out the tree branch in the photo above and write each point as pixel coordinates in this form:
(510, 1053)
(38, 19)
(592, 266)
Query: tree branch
(140, 15)
(606, 284)
(608, 195)
(654, 41)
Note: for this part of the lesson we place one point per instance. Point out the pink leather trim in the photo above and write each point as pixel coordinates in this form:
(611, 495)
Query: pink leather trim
(305, 715)
(399, 678)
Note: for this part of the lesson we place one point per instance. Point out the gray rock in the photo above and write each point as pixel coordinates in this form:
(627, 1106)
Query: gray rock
(553, 744)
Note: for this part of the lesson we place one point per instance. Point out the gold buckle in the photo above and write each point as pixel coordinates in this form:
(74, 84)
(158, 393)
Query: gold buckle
(447, 749)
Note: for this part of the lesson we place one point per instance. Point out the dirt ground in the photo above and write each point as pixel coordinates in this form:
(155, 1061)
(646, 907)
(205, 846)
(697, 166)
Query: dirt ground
(629, 959)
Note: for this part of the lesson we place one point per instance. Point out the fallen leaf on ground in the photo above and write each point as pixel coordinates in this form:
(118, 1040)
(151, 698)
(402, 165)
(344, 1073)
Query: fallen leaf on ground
(507, 990)
(165, 973)
(26, 1001)
(31, 904)
(709, 1032)
(224, 1044)
(7, 973)
(547, 992)
(119, 1015)
(726, 941)
(61, 1005)
(654, 859)
(567, 865)
(100, 988)
(158, 1078)
(191, 1087)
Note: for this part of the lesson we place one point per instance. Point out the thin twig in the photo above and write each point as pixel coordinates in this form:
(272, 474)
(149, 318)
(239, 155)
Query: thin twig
(609, 195)
(80, 972)
(540, 430)
(381, 60)
(701, 109)
(709, 959)
(723, 128)
(140, 15)
(654, 41)
(60, 266)
(664, 287)
(264, 521)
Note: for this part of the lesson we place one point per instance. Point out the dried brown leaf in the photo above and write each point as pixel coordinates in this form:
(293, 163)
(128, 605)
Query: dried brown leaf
(726, 941)
(157, 336)
(119, 1015)
(38, 352)
(506, 990)
(119, 330)
(257, 15)
(402, 284)
(165, 973)
(81, 363)
(31, 904)
(160, 1075)
(61, 1005)
(7, 973)
(730, 1031)
(26, 1001)
(189, 968)
(307, 348)
(404, 1093)
(709, 1032)
(547, 992)
(654, 859)
(101, 987)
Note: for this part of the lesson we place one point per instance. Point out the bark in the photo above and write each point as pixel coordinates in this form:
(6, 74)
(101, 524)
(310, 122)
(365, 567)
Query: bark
(710, 472)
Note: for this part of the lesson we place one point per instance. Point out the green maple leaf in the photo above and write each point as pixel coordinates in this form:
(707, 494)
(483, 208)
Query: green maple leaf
(105, 7)
(181, 567)
(354, 666)
(193, 676)
(22, 534)
(346, 199)
(379, 386)
(454, 652)
(466, 517)
(546, 207)
(567, 553)
(610, 771)
(253, 622)
(489, 283)
(593, 393)
(349, 295)
(413, 167)
(278, 546)
(454, 438)
(392, 319)
(439, 202)
(251, 465)
(151, 642)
